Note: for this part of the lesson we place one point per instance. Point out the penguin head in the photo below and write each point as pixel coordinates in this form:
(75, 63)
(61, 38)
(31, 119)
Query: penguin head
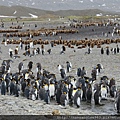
(28, 85)
(74, 88)
(56, 82)
(79, 88)
(87, 80)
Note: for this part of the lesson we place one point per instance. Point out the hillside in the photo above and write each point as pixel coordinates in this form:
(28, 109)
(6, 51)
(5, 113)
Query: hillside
(54, 5)
(20, 11)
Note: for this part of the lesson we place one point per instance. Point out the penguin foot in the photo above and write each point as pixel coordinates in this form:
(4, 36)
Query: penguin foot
(118, 111)
(78, 106)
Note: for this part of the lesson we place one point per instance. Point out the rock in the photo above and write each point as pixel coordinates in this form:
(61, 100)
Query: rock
(10, 103)
(55, 112)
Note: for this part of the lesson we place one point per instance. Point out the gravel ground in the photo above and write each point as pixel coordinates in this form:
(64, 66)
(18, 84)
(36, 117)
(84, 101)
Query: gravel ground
(11, 105)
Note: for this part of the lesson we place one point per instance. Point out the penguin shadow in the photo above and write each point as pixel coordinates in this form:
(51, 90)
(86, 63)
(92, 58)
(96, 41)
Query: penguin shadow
(52, 100)
(89, 103)
(100, 104)
(117, 114)
(63, 107)
(50, 117)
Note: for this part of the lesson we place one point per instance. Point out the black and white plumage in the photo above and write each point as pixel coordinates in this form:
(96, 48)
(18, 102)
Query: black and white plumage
(113, 91)
(99, 67)
(97, 98)
(34, 95)
(78, 72)
(103, 92)
(77, 98)
(52, 90)
(63, 99)
(89, 93)
(69, 66)
(60, 67)
(117, 102)
(39, 67)
(30, 65)
(20, 66)
(63, 73)
(49, 51)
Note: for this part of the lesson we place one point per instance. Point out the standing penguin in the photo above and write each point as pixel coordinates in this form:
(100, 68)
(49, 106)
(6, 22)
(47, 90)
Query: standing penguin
(12, 87)
(65, 89)
(39, 67)
(30, 65)
(97, 97)
(63, 73)
(17, 89)
(69, 66)
(73, 82)
(42, 48)
(99, 66)
(107, 51)
(72, 92)
(52, 89)
(89, 93)
(58, 93)
(83, 72)
(78, 72)
(3, 87)
(77, 97)
(21, 45)
(20, 66)
(38, 50)
(63, 99)
(94, 74)
(113, 91)
(52, 44)
(41, 93)
(8, 68)
(103, 92)
(118, 49)
(7, 79)
(47, 97)
(63, 50)
(26, 75)
(16, 50)
(117, 102)
(26, 47)
(34, 94)
(27, 91)
(60, 67)
(23, 85)
(11, 52)
(102, 50)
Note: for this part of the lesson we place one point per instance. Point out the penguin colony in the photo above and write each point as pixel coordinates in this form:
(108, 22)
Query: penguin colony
(66, 91)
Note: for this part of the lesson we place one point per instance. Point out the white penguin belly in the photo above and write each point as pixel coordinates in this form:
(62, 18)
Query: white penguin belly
(52, 90)
(78, 101)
